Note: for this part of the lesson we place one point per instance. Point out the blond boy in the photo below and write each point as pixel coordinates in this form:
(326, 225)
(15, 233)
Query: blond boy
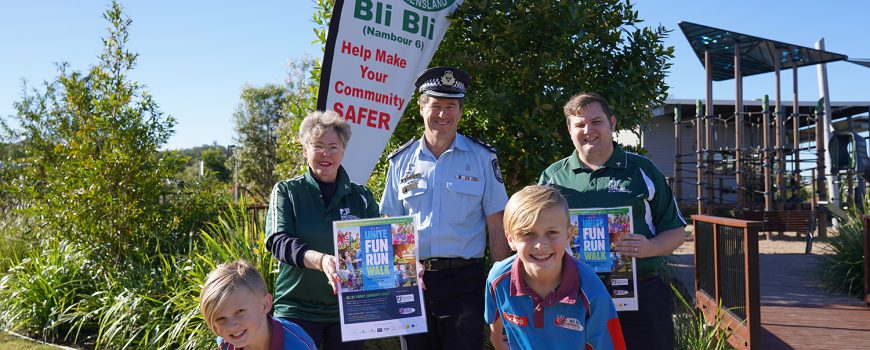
(541, 297)
(235, 305)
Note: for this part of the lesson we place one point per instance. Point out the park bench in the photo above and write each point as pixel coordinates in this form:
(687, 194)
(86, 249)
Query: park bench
(798, 221)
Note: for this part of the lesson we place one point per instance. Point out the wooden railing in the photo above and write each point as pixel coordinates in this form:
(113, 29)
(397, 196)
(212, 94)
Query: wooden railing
(726, 277)
(867, 260)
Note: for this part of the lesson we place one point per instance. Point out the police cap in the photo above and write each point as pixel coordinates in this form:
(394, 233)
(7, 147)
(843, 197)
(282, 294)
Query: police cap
(444, 82)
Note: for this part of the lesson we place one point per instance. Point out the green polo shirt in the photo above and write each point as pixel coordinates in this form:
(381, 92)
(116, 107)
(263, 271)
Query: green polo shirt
(626, 179)
(296, 207)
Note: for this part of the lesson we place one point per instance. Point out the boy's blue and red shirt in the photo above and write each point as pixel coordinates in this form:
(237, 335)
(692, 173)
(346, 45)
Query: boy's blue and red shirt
(285, 335)
(579, 314)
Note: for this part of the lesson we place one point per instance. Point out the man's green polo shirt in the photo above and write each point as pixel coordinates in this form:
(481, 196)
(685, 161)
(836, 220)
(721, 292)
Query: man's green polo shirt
(626, 179)
(297, 208)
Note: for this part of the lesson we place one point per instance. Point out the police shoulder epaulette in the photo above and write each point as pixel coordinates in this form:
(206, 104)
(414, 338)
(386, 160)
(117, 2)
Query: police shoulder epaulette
(484, 144)
(401, 148)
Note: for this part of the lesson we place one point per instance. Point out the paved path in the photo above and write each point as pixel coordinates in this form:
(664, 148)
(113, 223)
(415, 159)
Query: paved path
(795, 313)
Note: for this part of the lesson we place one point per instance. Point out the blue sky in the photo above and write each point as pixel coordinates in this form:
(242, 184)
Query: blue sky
(195, 56)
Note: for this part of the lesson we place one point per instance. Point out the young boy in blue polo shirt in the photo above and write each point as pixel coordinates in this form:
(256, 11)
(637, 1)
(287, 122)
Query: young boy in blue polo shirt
(235, 305)
(541, 297)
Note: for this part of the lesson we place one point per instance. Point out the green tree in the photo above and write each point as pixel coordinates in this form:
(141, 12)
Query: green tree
(302, 82)
(528, 57)
(256, 121)
(267, 121)
(90, 141)
(216, 163)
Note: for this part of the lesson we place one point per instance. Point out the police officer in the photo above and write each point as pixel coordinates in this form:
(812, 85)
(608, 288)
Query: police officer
(453, 182)
(599, 173)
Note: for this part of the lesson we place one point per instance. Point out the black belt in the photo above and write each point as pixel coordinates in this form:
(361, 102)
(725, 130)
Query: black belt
(438, 264)
(646, 276)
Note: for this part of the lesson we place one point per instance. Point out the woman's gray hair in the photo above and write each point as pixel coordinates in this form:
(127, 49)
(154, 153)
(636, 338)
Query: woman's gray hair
(317, 122)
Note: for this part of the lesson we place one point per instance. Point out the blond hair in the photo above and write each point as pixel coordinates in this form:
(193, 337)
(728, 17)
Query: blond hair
(224, 280)
(318, 122)
(581, 100)
(523, 207)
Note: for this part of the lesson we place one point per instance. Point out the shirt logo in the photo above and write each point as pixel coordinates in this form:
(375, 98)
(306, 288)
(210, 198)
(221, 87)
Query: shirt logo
(616, 185)
(521, 321)
(345, 214)
(568, 323)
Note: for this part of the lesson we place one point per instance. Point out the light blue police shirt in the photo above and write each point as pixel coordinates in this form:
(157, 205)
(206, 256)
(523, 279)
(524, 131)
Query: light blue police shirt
(452, 194)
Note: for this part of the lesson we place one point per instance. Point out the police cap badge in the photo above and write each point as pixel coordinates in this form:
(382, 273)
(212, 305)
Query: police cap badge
(445, 82)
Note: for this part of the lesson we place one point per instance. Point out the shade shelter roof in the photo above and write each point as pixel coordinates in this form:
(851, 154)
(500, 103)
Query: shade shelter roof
(861, 61)
(757, 55)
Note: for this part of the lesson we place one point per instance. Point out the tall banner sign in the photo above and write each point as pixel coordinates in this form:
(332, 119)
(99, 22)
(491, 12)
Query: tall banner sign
(374, 52)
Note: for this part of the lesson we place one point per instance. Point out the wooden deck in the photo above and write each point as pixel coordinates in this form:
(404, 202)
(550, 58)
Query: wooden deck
(795, 313)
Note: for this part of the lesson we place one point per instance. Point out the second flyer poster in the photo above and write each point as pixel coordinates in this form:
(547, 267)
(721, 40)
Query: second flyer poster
(377, 263)
(594, 234)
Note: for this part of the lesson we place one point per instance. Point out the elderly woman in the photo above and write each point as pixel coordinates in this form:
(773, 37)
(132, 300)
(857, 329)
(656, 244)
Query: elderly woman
(299, 229)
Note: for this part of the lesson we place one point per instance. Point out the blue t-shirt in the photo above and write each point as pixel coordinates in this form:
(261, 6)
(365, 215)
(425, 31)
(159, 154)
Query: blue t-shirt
(286, 335)
(579, 314)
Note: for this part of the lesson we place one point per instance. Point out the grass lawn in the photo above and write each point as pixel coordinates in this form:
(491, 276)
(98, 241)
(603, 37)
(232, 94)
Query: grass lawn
(8, 341)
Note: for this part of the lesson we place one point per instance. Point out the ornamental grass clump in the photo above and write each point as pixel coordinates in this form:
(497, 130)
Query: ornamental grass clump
(39, 295)
(843, 269)
(691, 330)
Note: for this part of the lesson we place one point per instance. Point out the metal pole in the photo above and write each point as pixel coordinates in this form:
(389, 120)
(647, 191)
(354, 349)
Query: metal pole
(699, 155)
(765, 129)
(678, 168)
(822, 215)
(708, 125)
(738, 128)
(796, 140)
(832, 186)
(780, 143)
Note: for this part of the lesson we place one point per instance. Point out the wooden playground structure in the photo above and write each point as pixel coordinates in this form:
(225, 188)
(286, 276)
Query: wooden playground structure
(767, 163)
(781, 171)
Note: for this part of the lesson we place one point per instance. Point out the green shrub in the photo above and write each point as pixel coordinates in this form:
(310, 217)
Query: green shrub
(159, 307)
(843, 270)
(89, 148)
(58, 293)
(39, 294)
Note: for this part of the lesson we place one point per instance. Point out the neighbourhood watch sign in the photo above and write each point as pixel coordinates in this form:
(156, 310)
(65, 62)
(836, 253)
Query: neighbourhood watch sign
(374, 52)
(430, 5)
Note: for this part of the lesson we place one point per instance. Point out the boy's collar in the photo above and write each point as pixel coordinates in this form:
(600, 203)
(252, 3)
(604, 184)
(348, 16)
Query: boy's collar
(276, 341)
(566, 292)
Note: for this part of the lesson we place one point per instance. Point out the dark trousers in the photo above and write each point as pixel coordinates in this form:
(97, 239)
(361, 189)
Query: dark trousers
(652, 326)
(326, 334)
(454, 310)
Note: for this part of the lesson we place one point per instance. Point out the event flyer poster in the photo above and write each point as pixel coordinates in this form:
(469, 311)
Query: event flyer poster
(377, 263)
(594, 232)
